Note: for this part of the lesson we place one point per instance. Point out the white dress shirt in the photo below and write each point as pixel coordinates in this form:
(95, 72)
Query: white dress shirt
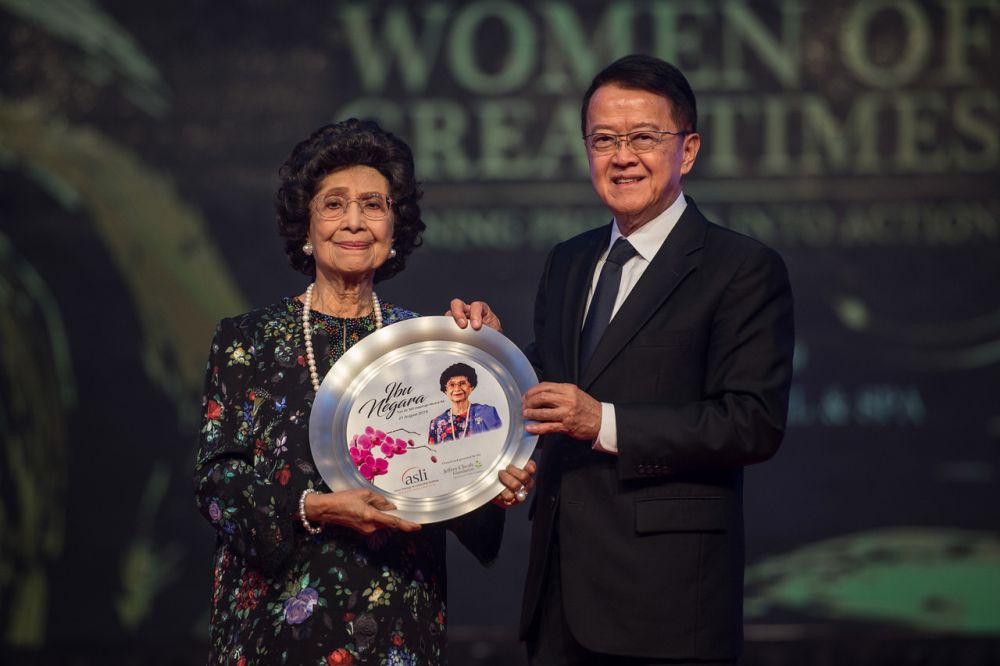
(647, 241)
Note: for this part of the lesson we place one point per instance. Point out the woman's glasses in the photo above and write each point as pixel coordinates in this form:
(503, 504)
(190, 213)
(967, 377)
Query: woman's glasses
(373, 206)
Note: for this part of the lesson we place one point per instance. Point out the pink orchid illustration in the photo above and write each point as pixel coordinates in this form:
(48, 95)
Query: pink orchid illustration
(371, 450)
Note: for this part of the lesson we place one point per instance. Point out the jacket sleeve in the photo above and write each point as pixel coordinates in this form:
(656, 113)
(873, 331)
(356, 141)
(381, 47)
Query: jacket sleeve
(491, 417)
(741, 417)
(253, 515)
(481, 532)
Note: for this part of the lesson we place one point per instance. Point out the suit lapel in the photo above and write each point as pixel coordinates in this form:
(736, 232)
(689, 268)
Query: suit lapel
(578, 280)
(677, 257)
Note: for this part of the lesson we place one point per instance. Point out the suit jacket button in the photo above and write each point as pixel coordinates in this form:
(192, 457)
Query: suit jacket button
(552, 501)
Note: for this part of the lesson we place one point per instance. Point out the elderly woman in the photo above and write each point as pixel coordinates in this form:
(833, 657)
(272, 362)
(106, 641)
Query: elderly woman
(464, 417)
(304, 575)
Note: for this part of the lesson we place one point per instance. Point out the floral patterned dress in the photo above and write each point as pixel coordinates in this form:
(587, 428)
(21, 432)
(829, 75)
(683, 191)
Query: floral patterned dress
(448, 426)
(281, 595)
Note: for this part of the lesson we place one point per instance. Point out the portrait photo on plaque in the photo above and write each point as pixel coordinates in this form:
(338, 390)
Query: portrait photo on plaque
(464, 417)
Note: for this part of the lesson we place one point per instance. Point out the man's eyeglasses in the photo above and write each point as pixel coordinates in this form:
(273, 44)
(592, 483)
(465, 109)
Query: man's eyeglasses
(373, 206)
(642, 141)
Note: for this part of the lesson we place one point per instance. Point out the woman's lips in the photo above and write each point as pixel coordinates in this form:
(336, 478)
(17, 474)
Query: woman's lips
(353, 245)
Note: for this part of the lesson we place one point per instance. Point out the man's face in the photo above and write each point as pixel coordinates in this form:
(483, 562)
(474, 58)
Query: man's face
(637, 187)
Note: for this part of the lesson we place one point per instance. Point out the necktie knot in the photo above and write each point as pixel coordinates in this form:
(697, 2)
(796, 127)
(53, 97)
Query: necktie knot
(620, 252)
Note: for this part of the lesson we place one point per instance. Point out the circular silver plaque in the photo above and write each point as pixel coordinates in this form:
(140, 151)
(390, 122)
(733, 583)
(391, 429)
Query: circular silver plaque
(427, 413)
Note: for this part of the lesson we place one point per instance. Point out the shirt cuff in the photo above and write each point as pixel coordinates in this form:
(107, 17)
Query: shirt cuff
(607, 437)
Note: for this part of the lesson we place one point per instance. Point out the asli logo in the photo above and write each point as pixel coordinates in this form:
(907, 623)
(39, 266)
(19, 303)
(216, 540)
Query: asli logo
(414, 475)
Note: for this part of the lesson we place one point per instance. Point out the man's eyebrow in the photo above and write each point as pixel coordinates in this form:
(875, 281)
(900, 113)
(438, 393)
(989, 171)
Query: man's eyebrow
(634, 128)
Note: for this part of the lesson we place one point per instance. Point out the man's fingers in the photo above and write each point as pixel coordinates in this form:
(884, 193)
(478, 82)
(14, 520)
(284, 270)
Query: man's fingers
(480, 314)
(545, 428)
(538, 399)
(538, 389)
(459, 311)
(476, 314)
(542, 401)
(548, 393)
(545, 414)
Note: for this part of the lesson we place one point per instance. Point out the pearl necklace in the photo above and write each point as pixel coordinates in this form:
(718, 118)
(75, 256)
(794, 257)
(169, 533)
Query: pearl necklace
(451, 419)
(307, 331)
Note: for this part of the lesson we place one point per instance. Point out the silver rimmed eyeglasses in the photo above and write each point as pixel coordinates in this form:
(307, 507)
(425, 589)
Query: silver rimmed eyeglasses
(641, 141)
(373, 206)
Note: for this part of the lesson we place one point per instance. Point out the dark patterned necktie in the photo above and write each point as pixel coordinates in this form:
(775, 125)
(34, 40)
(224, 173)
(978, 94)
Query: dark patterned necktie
(603, 302)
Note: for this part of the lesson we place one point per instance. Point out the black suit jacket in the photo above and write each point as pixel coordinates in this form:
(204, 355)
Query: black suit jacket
(698, 363)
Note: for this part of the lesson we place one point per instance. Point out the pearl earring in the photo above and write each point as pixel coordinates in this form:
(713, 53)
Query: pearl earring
(308, 249)
(392, 253)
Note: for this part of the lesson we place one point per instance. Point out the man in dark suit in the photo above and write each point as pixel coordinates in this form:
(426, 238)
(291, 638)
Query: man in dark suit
(637, 541)
(665, 346)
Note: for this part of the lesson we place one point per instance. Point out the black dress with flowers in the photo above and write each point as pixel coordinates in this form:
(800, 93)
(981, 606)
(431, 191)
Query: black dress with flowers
(281, 595)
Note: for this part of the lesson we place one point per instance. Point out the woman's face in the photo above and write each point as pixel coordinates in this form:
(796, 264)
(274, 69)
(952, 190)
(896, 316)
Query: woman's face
(458, 389)
(354, 245)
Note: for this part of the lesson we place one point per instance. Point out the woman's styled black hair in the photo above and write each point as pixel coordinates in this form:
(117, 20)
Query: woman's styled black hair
(459, 370)
(333, 147)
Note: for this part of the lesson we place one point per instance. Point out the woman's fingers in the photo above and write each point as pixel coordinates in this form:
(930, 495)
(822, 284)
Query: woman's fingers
(376, 518)
(516, 478)
(518, 483)
(403, 525)
(363, 511)
(376, 506)
(512, 480)
(378, 501)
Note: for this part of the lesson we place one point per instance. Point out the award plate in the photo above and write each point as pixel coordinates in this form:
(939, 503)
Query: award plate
(382, 420)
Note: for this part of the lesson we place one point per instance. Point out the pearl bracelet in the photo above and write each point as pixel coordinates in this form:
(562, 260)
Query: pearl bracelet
(312, 529)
